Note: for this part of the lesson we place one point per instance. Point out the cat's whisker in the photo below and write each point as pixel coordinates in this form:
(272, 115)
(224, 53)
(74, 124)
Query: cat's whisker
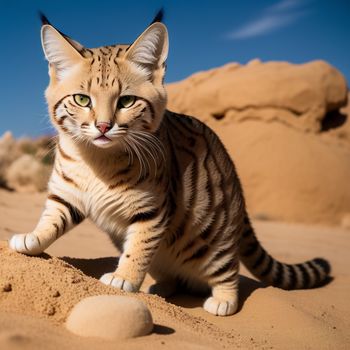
(136, 141)
(51, 148)
(138, 156)
(129, 152)
(154, 141)
(145, 148)
(154, 146)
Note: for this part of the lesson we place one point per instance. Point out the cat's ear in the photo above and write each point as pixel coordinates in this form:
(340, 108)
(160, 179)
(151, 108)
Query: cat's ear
(62, 52)
(150, 49)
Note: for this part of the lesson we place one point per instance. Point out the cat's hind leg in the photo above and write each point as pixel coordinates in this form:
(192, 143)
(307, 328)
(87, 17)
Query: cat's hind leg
(224, 298)
(223, 302)
(58, 217)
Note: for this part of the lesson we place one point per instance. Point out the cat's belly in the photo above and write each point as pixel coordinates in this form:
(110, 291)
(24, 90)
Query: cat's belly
(167, 262)
(166, 267)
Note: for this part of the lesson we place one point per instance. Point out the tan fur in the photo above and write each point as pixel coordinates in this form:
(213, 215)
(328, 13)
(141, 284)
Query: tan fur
(163, 187)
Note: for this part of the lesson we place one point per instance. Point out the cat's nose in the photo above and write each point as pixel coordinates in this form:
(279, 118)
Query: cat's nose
(104, 126)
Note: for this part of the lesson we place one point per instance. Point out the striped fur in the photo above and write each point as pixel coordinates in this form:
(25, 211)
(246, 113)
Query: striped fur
(161, 184)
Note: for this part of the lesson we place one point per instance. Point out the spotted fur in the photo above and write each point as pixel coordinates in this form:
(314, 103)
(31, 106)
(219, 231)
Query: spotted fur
(161, 184)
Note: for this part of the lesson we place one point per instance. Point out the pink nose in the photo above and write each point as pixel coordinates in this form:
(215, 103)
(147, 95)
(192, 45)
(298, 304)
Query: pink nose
(104, 126)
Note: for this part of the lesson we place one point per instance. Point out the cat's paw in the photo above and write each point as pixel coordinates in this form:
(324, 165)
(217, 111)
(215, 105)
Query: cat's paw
(220, 307)
(163, 289)
(26, 243)
(114, 280)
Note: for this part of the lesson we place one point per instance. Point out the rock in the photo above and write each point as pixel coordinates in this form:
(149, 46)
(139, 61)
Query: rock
(298, 95)
(289, 175)
(284, 126)
(110, 317)
(343, 118)
(7, 287)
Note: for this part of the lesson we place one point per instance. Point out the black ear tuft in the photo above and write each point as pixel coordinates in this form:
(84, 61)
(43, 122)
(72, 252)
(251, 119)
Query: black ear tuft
(159, 16)
(43, 19)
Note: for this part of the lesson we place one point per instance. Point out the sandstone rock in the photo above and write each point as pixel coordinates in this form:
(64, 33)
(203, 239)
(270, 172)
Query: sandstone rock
(297, 95)
(342, 121)
(279, 123)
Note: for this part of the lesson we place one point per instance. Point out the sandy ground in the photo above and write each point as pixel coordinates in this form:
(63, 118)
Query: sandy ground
(268, 318)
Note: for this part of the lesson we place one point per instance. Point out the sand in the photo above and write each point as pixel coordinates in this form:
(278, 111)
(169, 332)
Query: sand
(37, 293)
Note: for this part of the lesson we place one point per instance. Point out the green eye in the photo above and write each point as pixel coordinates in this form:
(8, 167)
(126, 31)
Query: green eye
(126, 101)
(82, 100)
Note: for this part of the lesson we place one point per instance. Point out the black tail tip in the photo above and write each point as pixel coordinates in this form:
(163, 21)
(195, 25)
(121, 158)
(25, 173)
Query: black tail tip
(43, 18)
(159, 16)
(324, 264)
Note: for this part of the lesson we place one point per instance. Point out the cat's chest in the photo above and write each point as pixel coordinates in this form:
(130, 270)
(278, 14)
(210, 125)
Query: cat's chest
(112, 207)
(110, 196)
(105, 206)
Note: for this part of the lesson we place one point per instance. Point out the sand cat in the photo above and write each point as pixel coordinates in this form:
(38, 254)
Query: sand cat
(160, 184)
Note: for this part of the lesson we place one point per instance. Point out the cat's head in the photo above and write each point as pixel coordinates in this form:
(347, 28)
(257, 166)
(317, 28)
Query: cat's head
(99, 96)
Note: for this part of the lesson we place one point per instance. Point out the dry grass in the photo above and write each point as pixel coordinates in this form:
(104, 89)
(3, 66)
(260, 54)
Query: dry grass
(25, 164)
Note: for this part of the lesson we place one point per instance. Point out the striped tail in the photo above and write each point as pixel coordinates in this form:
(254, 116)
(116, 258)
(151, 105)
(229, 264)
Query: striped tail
(310, 274)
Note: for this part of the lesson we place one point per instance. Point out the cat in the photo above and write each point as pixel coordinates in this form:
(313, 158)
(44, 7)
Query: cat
(160, 184)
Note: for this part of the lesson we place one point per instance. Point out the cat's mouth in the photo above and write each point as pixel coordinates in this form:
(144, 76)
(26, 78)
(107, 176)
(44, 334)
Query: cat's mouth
(101, 141)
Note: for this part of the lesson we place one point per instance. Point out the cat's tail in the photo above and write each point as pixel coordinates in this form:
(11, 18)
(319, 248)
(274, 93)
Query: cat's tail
(309, 274)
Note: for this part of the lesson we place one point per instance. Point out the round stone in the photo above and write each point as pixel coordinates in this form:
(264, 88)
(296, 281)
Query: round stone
(110, 317)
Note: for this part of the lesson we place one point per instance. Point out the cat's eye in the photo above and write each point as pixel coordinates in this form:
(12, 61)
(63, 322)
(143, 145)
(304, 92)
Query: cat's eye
(126, 101)
(82, 100)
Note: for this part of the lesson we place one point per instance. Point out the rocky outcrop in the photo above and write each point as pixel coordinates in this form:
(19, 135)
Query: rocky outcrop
(284, 127)
(297, 95)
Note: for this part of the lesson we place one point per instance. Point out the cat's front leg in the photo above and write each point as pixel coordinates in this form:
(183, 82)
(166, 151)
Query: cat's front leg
(58, 217)
(142, 242)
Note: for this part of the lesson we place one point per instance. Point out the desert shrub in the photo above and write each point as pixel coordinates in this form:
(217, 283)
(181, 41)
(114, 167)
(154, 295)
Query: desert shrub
(8, 153)
(27, 174)
(27, 146)
(25, 164)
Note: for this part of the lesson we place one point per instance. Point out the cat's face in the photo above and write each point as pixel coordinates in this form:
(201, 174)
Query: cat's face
(110, 95)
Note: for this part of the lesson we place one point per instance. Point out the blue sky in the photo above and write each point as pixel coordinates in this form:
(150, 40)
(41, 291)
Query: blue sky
(203, 34)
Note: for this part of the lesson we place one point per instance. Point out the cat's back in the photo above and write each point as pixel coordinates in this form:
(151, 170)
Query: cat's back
(203, 178)
(190, 136)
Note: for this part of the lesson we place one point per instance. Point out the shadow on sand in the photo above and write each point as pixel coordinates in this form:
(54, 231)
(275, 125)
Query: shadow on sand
(246, 287)
(97, 267)
(93, 267)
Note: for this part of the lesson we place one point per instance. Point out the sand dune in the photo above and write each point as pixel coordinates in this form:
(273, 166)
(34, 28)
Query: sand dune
(43, 290)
